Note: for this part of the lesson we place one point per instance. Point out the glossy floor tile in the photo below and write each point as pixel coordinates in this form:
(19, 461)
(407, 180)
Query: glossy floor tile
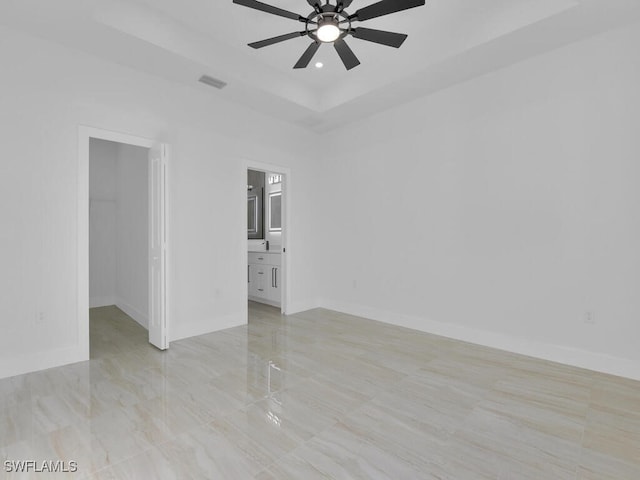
(317, 395)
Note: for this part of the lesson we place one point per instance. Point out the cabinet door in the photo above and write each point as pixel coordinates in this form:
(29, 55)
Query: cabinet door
(256, 280)
(274, 284)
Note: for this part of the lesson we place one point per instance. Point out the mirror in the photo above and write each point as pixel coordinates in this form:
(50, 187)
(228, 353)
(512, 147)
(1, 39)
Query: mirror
(255, 200)
(252, 215)
(275, 212)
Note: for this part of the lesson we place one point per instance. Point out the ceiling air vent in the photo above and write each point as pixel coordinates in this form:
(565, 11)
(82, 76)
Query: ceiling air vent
(213, 82)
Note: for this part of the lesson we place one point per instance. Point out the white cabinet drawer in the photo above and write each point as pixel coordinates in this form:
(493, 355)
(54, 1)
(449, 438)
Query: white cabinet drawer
(265, 277)
(264, 258)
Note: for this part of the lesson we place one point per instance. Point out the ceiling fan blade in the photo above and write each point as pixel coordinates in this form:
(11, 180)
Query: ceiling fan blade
(307, 55)
(385, 7)
(346, 54)
(278, 39)
(344, 4)
(269, 9)
(390, 39)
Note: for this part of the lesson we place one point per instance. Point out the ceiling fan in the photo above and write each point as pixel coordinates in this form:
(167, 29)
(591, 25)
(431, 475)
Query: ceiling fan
(330, 23)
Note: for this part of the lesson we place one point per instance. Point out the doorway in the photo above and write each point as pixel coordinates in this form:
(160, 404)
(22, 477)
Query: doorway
(118, 245)
(122, 241)
(266, 261)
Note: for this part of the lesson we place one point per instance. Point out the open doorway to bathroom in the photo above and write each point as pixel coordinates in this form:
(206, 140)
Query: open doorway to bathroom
(266, 237)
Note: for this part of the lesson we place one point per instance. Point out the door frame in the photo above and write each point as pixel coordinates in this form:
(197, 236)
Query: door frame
(286, 222)
(85, 134)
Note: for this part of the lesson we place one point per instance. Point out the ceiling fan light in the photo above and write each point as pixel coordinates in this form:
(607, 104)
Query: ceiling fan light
(328, 32)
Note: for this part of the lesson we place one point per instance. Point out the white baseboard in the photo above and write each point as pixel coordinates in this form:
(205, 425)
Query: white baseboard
(210, 325)
(95, 302)
(576, 357)
(303, 306)
(18, 365)
(133, 312)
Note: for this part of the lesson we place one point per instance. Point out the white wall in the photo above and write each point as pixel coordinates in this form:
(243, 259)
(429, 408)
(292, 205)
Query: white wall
(500, 210)
(210, 139)
(102, 223)
(132, 280)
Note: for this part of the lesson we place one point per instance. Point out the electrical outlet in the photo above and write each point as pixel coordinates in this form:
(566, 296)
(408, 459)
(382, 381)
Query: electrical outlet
(39, 318)
(589, 318)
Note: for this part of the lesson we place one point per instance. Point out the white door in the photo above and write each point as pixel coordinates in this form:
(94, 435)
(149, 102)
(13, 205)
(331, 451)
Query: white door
(158, 156)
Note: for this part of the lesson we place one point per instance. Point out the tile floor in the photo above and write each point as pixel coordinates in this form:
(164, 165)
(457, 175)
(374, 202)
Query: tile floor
(317, 395)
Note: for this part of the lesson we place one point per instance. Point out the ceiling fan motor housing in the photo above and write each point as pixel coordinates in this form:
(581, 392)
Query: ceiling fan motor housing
(328, 18)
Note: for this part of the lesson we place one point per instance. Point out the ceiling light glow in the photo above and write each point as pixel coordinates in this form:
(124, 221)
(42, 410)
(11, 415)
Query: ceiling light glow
(319, 65)
(328, 32)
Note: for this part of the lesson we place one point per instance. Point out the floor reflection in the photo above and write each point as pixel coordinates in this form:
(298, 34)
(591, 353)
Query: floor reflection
(267, 354)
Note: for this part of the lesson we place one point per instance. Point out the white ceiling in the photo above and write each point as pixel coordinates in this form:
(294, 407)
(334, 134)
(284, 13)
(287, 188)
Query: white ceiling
(449, 41)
